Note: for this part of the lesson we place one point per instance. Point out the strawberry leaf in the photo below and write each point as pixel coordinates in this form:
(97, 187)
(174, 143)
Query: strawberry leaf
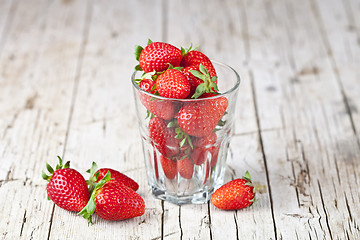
(44, 176)
(198, 74)
(59, 165)
(67, 164)
(200, 89)
(149, 41)
(49, 168)
(148, 75)
(172, 124)
(93, 178)
(138, 68)
(247, 176)
(203, 70)
(138, 50)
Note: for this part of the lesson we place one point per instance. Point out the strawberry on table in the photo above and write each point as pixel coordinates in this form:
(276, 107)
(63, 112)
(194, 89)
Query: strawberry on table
(157, 56)
(199, 118)
(97, 174)
(236, 194)
(173, 84)
(112, 200)
(67, 188)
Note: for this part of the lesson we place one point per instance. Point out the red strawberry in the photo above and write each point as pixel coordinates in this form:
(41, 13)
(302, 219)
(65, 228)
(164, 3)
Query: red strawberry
(112, 200)
(156, 168)
(202, 147)
(201, 81)
(163, 137)
(236, 194)
(96, 176)
(194, 58)
(67, 188)
(169, 167)
(194, 81)
(147, 85)
(200, 118)
(173, 84)
(157, 56)
(163, 109)
(117, 176)
(185, 168)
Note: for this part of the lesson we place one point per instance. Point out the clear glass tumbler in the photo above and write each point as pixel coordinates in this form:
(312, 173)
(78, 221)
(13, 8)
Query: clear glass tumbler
(185, 141)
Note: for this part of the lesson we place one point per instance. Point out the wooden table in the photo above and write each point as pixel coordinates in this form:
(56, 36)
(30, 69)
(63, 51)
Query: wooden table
(65, 90)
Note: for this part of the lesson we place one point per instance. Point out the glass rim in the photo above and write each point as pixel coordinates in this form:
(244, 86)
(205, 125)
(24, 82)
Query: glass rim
(232, 89)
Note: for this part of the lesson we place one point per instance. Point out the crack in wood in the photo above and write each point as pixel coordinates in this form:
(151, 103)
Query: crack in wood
(209, 223)
(236, 225)
(324, 209)
(180, 226)
(23, 223)
(251, 75)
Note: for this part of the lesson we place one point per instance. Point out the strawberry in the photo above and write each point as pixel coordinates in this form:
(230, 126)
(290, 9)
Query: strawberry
(169, 167)
(163, 109)
(117, 176)
(201, 82)
(147, 85)
(97, 174)
(200, 118)
(173, 84)
(67, 188)
(194, 81)
(236, 194)
(156, 168)
(112, 200)
(157, 56)
(163, 137)
(185, 168)
(194, 58)
(202, 147)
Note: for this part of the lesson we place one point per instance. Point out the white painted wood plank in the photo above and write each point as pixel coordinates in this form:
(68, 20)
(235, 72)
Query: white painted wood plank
(103, 125)
(302, 155)
(230, 46)
(38, 63)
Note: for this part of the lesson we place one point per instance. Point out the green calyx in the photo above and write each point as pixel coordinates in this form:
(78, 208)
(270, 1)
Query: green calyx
(51, 170)
(180, 134)
(186, 51)
(89, 209)
(209, 83)
(247, 177)
(93, 177)
(138, 50)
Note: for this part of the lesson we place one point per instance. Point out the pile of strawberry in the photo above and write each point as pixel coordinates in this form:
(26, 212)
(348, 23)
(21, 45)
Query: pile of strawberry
(183, 132)
(109, 193)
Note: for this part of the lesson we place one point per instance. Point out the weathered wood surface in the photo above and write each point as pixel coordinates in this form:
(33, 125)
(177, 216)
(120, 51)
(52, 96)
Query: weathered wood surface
(65, 90)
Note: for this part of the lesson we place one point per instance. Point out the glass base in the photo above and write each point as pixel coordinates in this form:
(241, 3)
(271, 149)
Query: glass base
(196, 198)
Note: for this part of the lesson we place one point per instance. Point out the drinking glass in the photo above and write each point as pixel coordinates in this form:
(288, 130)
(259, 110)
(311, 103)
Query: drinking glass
(186, 171)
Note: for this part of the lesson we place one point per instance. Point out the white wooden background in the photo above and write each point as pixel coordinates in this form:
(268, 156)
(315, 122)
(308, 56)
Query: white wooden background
(65, 90)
